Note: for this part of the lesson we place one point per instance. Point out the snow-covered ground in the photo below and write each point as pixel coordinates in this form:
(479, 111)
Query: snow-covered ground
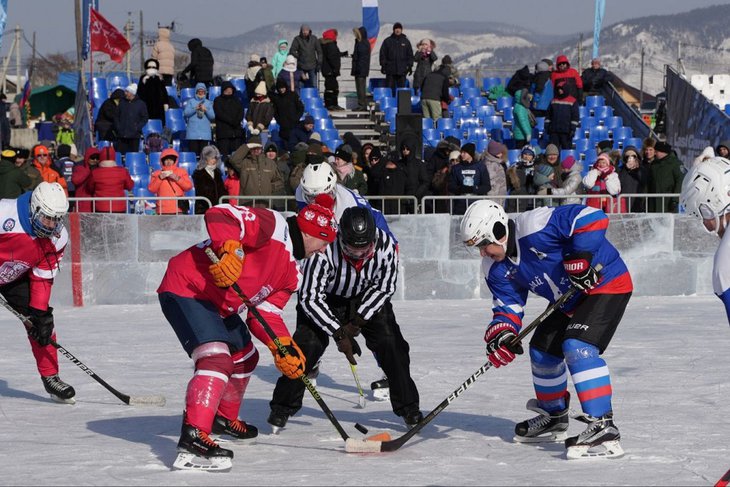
(670, 388)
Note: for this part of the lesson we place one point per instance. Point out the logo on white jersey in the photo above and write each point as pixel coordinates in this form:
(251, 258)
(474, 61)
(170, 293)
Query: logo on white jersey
(9, 224)
(11, 270)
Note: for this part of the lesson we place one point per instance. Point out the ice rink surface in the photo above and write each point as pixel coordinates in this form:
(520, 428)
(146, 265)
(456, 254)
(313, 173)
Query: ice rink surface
(669, 376)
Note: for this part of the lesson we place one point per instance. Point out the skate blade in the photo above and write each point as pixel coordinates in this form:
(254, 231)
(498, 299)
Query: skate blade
(381, 394)
(232, 440)
(189, 461)
(609, 449)
(61, 400)
(553, 437)
(275, 430)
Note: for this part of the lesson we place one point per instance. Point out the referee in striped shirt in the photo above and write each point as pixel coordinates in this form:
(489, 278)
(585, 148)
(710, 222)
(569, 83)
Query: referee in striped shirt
(346, 290)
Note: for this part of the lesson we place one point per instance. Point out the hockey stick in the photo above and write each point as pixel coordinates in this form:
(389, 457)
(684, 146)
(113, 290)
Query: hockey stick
(724, 480)
(284, 352)
(126, 399)
(392, 445)
(361, 394)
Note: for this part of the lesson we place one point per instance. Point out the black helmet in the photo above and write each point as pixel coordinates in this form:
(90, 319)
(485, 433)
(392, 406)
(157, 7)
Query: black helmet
(357, 232)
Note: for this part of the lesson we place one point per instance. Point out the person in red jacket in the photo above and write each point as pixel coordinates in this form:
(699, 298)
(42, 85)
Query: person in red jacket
(171, 180)
(110, 180)
(81, 176)
(258, 251)
(574, 83)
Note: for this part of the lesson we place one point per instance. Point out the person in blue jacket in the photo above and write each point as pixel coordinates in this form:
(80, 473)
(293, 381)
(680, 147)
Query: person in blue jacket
(199, 114)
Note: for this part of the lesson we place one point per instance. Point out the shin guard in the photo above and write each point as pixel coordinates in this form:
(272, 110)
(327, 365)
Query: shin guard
(244, 363)
(46, 358)
(590, 376)
(213, 368)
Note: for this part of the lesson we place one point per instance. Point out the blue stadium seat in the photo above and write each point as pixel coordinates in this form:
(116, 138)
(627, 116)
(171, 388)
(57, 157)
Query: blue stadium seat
(153, 126)
(470, 92)
(323, 123)
(319, 113)
(426, 123)
(186, 94)
(540, 123)
(187, 157)
(387, 102)
(136, 163)
(583, 112)
(381, 92)
(582, 145)
(118, 158)
(445, 124)
(513, 156)
(188, 166)
(503, 102)
(172, 92)
(493, 122)
(488, 83)
(333, 144)
(482, 145)
(98, 88)
(485, 111)
(476, 133)
(589, 158)
(478, 101)
(431, 134)
(213, 92)
(416, 104)
(613, 123)
(462, 112)
(602, 113)
(117, 80)
(308, 93)
(467, 82)
(598, 133)
(454, 91)
(588, 123)
(141, 180)
(155, 161)
(313, 102)
(594, 101)
(452, 132)
(727, 109)
(565, 153)
(623, 133)
(328, 134)
(103, 143)
(507, 114)
(240, 85)
(635, 141)
(469, 123)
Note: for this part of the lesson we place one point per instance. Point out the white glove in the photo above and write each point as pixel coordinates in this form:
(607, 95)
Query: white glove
(255, 131)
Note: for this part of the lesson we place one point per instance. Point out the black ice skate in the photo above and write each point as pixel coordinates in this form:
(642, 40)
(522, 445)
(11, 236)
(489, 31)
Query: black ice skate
(197, 451)
(381, 389)
(547, 427)
(277, 420)
(237, 429)
(600, 439)
(59, 390)
(413, 418)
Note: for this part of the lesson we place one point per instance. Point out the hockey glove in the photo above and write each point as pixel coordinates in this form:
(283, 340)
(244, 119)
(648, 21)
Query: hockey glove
(580, 271)
(42, 328)
(228, 269)
(293, 363)
(500, 351)
(344, 337)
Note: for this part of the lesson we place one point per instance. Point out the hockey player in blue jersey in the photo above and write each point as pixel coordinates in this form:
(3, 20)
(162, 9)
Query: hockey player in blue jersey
(706, 195)
(546, 251)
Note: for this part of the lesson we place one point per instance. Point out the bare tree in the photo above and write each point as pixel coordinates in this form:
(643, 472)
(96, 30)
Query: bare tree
(46, 68)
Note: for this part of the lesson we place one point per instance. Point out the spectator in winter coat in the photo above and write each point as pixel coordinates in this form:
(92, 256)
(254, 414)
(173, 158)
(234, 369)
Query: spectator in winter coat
(291, 74)
(277, 60)
(494, 161)
(418, 180)
(521, 80)
(542, 89)
(13, 180)
(130, 118)
(104, 124)
(151, 90)
(268, 72)
(361, 66)
(573, 83)
(723, 149)
(665, 176)
(259, 174)
(563, 117)
(24, 162)
(302, 132)
(648, 154)
(331, 55)
(391, 178)
(198, 113)
(288, 109)
(440, 182)
(260, 110)
(208, 179)
(424, 59)
(164, 52)
(170, 181)
(544, 178)
(569, 183)
(228, 111)
(43, 163)
(602, 180)
(633, 176)
(201, 63)
(520, 181)
(435, 91)
(254, 74)
(65, 165)
(595, 78)
(271, 151)
(469, 177)
(396, 58)
(308, 52)
(521, 126)
(82, 175)
(347, 174)
(112, 181)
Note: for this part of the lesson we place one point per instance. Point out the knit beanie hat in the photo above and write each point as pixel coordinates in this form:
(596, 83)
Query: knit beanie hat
(469, 149)
(662, 146)
(397, 25)
(343, 153)
(290, 64)
(528, 151)
(454, 154)
(495, 148)
(552, 150)
(568, 163)
(254, 58)
(318, 220)
(260, 89)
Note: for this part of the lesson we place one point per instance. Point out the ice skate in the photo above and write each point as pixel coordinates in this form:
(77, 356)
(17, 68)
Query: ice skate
(197, 451)
(235, 428)
(547, 427)
(277, 420)
(600, 439)
(313, 374)
(59, 390)
(381, 389)
(413, 418)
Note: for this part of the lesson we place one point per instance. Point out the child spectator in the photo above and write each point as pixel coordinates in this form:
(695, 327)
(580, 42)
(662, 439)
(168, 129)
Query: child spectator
(170, 181)
(232, 184)
(602, 180)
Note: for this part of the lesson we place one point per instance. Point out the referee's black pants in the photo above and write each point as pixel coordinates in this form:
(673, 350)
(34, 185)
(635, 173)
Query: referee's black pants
(382, 336)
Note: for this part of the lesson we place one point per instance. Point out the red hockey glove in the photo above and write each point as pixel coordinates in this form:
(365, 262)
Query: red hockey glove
(499, 348)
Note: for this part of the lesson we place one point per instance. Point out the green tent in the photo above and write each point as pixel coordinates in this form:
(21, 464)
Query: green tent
(50, 99)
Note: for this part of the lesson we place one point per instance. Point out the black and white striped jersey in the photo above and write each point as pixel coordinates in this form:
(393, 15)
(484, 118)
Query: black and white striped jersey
(329, 273)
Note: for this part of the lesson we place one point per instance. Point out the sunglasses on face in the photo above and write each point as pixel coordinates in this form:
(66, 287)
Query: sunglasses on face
(42, 155)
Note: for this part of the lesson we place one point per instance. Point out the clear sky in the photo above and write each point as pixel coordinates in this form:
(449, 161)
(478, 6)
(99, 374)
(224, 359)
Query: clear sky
(53, 20)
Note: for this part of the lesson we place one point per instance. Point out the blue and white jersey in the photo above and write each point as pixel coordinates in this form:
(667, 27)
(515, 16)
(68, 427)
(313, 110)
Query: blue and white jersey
(721, 272)
(543, 237)
(346, 198)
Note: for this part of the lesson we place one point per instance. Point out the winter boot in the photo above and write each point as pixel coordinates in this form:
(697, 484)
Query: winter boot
(58, 389)
(600, 439)
(547, 427)
(277, 420)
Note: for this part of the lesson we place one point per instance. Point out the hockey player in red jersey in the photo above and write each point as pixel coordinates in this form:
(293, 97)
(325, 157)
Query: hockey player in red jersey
(258, 249)
(32, 241)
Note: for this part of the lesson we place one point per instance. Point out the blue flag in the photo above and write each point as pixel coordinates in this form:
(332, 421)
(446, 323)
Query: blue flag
(600, 10)
(370, 20)
(3, 17)
(86, 14)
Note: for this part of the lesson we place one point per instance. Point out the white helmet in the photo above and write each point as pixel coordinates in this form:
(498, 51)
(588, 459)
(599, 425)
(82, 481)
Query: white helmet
(48, 206)
(317, 179)
(483, 223)
(706, 190)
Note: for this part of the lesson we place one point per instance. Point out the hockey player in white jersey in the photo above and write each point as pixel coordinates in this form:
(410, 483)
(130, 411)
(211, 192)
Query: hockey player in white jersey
(706, 195)
(546, 251)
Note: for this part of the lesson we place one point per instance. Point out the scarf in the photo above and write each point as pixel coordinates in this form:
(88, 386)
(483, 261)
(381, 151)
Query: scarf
(345, 170)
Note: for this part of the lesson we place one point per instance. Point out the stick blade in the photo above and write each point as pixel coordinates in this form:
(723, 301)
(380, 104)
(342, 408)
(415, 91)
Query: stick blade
(353, 445)
(147, 401)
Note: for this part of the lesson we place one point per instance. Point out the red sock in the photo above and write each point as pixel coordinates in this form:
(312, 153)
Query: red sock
(46, 358)
(244, 363)
(206, 388)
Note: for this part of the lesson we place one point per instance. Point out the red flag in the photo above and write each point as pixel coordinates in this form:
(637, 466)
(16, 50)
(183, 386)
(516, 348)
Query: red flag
(106, 38)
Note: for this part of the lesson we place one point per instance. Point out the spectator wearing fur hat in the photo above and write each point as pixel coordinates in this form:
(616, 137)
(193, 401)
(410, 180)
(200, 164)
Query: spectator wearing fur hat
(208, 179)
(260, 111)
(396, 58)
(308, 52)
(520, 181)
(164, 52)
(424, 58)
(361, 66)
(291, 74)
(259, 175)
(229, 114)
(469, 177)
(633, 176)
(199, 113)
(330, 66)
(347, 174)
(288, 109)
(109, 180)
(648, 154)
(151, 90)
(569, 183)
(82, 175)
(665, 176)
(129, 120)
(494, 160)
(602, 180)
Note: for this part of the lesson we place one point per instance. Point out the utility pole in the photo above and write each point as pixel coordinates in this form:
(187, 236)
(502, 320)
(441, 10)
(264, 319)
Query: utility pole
(141, 42)
(580, 54)
(641, 82)
(127, 35)
(32, 60)
(18, 34)
(680, 67)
